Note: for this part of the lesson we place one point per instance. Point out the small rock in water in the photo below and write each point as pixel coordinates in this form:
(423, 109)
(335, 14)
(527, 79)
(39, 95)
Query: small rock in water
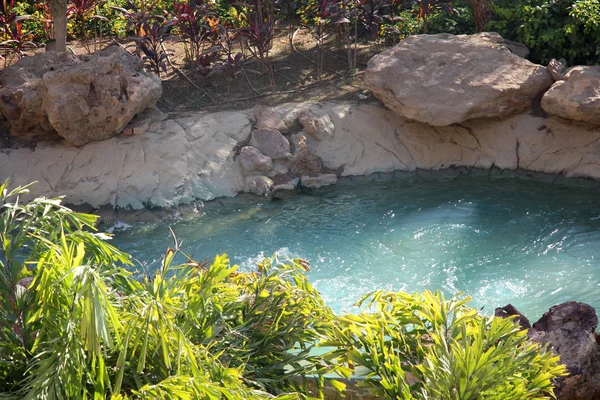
(285, 190)
(315, 182)
(259, 185)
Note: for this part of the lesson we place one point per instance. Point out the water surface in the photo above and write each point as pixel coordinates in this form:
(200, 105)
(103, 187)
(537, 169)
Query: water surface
(518, 241)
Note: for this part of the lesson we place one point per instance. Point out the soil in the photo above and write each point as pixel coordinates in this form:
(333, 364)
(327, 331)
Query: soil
(295, 75)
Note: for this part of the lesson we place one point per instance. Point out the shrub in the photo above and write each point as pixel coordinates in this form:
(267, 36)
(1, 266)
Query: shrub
(421, 346)
(552, 28)
(75, 324)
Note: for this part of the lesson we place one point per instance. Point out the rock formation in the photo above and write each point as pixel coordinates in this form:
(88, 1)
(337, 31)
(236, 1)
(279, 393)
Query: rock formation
(577, 96)
(445, 79)
(80, 99)
(569, 330)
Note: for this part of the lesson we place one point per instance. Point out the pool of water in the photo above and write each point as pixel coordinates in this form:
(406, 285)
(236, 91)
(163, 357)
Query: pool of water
(518, 241)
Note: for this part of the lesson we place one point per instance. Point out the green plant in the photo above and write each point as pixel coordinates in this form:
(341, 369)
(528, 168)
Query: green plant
(74, 324)
(424, 347)
(551, 28)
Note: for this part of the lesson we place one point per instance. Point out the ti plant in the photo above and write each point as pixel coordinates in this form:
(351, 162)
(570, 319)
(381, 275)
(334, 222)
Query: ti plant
(197, 28)
(14, 39)
(83, 10)
(151, 45)
(258, 35)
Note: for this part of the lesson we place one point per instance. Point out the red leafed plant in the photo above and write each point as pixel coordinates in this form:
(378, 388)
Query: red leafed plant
(14, 40)
(82, 10)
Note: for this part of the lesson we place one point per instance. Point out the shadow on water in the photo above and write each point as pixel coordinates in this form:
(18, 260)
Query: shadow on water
(498, 240)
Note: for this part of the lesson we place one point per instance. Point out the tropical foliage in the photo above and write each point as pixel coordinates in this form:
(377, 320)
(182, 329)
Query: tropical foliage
(75, 323)
(552, 28)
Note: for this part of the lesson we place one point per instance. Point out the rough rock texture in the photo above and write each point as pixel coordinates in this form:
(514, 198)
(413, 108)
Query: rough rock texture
(175, 162)
(192, 157)
(557, 69)
(252, 160)
(79, 99)
(306, 162)
(445, 79)
(285, 191)
(319, 127)
(271, 143)
(260, 185)
(569, 330)
(577, 97)
(317, 181)
(510, 311)
(267, 118)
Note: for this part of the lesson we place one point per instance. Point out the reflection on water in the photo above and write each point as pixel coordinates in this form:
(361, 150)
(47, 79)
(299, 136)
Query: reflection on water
(503, 240)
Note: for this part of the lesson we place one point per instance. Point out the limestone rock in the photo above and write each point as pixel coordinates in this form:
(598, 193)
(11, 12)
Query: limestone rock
(285, 191)
(259, 185)
(80, 99)
(267, 118)
(252, 159)
(315, 182)
(445, 79)
(271, 143)
(557, 68)
(299, 141)
(319, 127)
(577, 97)
(306, 162)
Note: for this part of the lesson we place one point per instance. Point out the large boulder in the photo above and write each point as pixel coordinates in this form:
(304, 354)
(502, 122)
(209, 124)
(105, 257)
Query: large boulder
(576, 97)
(446, 79)
(81, 99)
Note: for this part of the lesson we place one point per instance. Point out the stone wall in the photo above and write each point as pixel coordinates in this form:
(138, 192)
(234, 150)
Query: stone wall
(195, 157)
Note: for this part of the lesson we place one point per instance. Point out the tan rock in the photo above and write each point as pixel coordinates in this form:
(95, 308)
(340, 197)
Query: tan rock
(445, 79)
(577, 97)
(80, 99)
(271, 143)
(319, 127)
(267, 118)
(252, 160)
(557, 69)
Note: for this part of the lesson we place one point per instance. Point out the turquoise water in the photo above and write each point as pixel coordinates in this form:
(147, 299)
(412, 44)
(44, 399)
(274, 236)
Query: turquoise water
(518, 241)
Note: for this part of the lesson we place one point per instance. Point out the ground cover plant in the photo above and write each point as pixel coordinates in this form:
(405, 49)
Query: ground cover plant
(76, 323)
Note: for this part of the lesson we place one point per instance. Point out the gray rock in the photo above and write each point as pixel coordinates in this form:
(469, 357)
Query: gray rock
(271, 143)
(445, 79)
(81, 99)
(267, 118)
(319, 127)
(259, 185)
(517, 48)
(253, 160)
(557, 68)
(577, 97)
(315, 182)
(285, 191)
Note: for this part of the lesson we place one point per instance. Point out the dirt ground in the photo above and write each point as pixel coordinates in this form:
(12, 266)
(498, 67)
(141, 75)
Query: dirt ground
(295, 74)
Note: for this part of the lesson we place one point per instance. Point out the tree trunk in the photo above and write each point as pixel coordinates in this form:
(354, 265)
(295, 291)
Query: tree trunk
(58, 8)
(482, 13)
